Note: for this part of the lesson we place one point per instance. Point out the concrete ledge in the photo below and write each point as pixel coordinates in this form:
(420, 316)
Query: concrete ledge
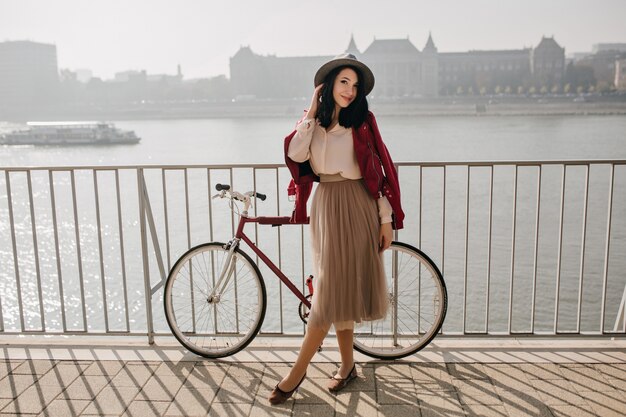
(285, 349)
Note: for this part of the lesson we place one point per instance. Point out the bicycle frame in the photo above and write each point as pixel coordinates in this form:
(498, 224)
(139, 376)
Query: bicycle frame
(234, 243)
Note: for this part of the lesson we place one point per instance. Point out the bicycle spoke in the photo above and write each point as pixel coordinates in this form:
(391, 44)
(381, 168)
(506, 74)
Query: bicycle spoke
(228, 322)
(409, 325)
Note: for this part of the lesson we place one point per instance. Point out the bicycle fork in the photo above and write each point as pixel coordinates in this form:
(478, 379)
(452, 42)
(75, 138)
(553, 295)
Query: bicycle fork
(226, 272)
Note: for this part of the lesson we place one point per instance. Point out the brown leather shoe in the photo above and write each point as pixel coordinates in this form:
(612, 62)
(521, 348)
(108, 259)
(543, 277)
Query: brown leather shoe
(278, 396)
(337, 384)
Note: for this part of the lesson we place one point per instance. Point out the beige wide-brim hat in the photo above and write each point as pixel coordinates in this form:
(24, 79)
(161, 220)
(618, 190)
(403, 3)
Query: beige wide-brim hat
(343, 60)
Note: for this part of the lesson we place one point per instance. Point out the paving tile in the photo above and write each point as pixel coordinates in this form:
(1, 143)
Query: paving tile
(312, 391)
(216, 388)
(33, 400)
(246, 370)
(440, 405)
(85, 387)
(476, 391)
(109, 368)
(63, 407)
(317, 410)
(160, 388)
(190, 402)
(611, 370)
(399, 410)
(395, 391)
(467, 371)
(8, 366)
(356, 404)
(522, 403)
(4, 401)
(146, 408)
(515, 379)
(325, 369)
(430, 373)
(238, 391)
(481, 410)
(62, 374)
(361, 383)
(535, 410)
(572, 411)
(611, 403)
(202, 377)
(13, 385)
(542, 371)
(619, 384)
(263, 408)
(111, 400)
(393, 370)
(133, 375)
(586, 379)
(557, 392)
(497, 371)
(34, 367)
(175, 369)
(227, 409)
(426, 387)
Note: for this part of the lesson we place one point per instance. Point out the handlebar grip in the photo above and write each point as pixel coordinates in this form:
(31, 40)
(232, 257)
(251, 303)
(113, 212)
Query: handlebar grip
(260, 196)
(220, 187)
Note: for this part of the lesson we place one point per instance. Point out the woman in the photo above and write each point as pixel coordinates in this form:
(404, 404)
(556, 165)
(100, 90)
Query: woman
(354, 209)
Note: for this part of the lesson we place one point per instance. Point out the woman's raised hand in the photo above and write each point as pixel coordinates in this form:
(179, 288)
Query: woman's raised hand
(312, 113)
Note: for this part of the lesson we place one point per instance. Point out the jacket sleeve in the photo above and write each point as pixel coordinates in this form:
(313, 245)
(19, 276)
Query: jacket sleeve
(391, 186)
(299, 148)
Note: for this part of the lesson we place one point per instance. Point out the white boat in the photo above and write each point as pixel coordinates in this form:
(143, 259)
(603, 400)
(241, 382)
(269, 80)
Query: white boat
(69, 133)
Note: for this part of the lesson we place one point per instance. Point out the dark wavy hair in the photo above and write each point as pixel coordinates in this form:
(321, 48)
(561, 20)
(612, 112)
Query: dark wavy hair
(352, 116)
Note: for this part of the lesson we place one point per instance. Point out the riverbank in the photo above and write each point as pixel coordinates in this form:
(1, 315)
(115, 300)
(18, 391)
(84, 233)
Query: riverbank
(448, 106)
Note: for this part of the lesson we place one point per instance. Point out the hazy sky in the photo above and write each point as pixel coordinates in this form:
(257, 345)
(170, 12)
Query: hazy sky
(108, 36)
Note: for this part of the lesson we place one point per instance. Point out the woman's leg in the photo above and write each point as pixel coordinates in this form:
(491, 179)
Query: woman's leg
(345, 340)
(312, 340)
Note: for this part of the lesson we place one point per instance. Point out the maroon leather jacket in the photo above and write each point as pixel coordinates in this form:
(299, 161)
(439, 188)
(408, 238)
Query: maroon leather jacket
(377, 169)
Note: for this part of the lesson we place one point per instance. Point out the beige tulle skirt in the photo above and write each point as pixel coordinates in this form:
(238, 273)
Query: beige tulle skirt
(349, 284)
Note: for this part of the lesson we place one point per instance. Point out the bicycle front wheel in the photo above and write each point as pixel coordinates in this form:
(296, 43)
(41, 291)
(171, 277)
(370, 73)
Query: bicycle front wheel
(214, 324)
(418, 301)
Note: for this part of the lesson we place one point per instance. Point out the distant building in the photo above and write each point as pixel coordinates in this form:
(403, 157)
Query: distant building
(130, 76)
(402, 70)
(29, 74)
(83, 75)
(601, 47)
(476, 72)
(603, 65)
(547, 63)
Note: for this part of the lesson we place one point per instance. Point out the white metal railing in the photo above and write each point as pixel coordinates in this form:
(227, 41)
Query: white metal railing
(526, 247)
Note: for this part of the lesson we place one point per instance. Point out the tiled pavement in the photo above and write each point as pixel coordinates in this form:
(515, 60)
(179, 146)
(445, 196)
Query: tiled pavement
(231, 388)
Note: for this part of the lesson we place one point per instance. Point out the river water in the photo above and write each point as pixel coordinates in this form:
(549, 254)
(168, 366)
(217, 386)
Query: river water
(409, 139)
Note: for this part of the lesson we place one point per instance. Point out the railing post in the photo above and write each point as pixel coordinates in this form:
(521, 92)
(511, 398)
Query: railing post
(141, 194)
(620, 319)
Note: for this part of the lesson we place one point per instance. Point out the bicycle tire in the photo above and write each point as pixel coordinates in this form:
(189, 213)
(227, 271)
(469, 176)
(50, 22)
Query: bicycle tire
(416, 288)
(222, 326)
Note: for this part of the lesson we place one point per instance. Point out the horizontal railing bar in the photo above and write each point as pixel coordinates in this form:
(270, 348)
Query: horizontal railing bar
(273, 166)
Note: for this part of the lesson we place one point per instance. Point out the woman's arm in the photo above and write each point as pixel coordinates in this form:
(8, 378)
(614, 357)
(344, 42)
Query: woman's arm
(299, 147)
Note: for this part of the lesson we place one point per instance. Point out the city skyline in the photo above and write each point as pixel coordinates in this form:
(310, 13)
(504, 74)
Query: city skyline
(117, 36)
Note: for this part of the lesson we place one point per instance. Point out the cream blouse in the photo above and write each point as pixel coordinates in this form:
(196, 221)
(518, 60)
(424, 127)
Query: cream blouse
(330, 153)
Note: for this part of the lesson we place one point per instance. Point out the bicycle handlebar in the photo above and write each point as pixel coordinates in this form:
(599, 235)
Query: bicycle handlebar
(226, 187)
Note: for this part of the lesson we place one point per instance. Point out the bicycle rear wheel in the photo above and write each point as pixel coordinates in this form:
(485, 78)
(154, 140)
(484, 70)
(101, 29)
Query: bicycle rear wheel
(219, 326)
(418, 303)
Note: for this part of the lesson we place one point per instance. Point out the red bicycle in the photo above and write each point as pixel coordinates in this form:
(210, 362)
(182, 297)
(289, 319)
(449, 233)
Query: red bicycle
(215, 298)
